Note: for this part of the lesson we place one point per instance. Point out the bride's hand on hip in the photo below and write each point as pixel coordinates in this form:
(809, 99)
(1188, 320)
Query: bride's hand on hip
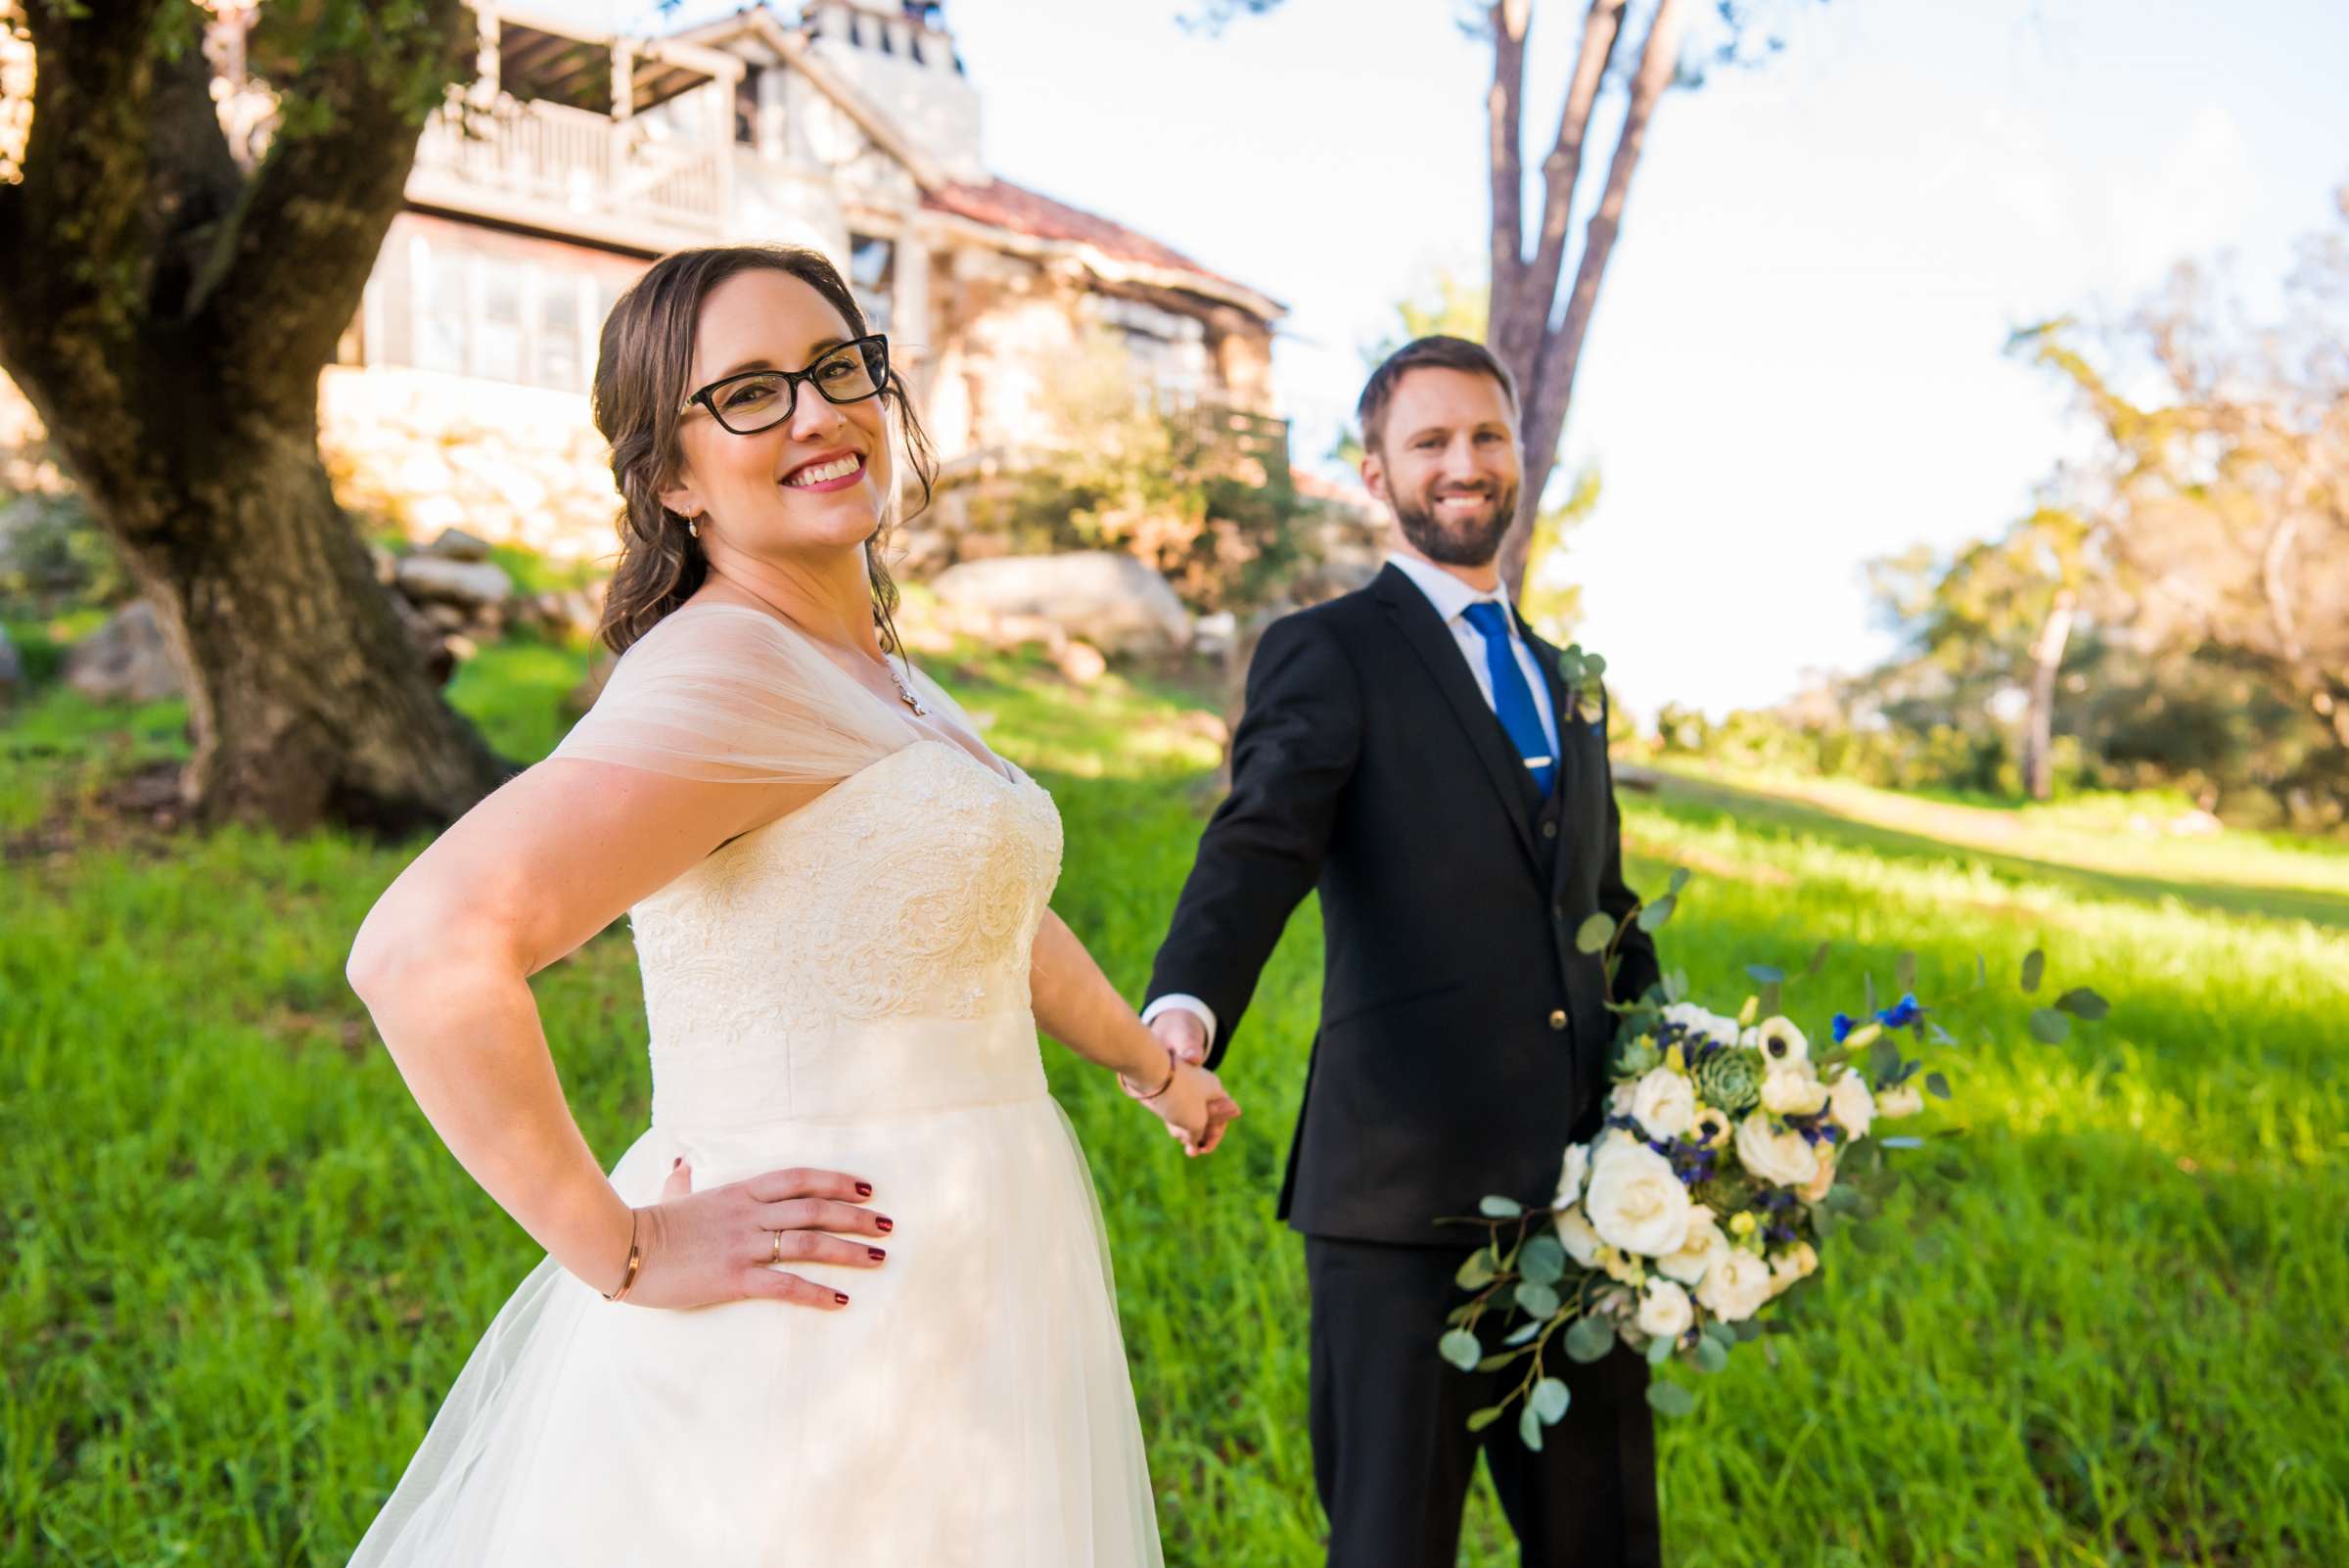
(726, 1244)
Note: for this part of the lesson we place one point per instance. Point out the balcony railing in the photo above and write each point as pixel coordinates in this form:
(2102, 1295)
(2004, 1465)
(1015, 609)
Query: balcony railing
(554, 166)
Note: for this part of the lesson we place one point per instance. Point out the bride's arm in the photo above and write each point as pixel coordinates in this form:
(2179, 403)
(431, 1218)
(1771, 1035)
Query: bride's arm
(442, 962)
(1076, 1004)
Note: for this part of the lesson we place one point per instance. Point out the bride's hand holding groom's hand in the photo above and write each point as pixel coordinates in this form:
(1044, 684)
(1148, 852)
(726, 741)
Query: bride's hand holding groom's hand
(731, 1243)
(1192, 1103)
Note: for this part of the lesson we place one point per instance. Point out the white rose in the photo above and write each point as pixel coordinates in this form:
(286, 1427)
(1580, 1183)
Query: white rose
(1797, 1262)
(1699, 1249)
(1781, 1157)
(1735, 1287)
(1619, 1099)
(1778, 1040)
(1793, 1091)
(1636, 1202)
(1895, 1103)
(1851, 1105)
(1816, 1187)
(1665, 1312)
(1571, 1176)
(1664, 1102)
(1581, 1242)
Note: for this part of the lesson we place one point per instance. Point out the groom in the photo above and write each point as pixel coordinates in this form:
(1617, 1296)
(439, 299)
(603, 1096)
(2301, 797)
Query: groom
(1410, 751)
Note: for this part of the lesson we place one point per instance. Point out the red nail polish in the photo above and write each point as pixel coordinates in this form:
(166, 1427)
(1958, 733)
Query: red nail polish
(877, 1253)
(887, 1226)
(864, 1190)
(839, 1298)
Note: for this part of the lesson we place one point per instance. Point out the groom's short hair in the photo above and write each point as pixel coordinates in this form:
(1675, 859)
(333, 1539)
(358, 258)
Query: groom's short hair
(1448, 354)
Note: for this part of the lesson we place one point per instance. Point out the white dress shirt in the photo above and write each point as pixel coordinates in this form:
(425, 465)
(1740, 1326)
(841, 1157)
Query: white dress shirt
(1452, 598)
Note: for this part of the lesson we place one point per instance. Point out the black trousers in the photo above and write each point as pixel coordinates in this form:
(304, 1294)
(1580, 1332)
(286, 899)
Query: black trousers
(1393, 1455)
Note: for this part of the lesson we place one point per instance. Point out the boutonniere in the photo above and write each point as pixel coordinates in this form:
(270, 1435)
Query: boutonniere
(1580, 671)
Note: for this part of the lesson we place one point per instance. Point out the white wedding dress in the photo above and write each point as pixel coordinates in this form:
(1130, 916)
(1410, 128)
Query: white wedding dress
(845, 989)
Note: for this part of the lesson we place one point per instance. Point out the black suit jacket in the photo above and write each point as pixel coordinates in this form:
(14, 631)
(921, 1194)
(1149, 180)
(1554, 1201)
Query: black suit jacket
(1463, 1039)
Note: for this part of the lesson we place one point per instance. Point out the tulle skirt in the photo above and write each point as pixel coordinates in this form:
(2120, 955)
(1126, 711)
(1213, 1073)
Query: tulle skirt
(970, 1408)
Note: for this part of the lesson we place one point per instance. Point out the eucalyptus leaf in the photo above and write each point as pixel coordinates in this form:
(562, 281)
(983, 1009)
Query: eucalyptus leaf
(1529, 1429)
(1549, 1401)
(1659, 1349)
(2049, 1027)
(1652, 916)
(1483, 1417)
(1492, 1206)
(1902, 1143)
(1589, 1339)
(1749, 1330)
(1670, 1398)
(1819, 960)
(1772, 994)
(1679, 879)
(1883, 1059)
(1594, 933)
(1766, 974)
(1477, 1272)
(1710, 1356)
(1460, 1349)
(1539, 1301)
(1525, 1331)
(1542, 1260)
(1495, 1361)
(2083, 1003)
(1937, 1085)
(2035, 965)
(1904, 973)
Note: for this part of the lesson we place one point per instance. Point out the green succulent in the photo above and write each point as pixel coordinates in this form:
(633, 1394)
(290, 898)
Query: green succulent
(1730, 1080)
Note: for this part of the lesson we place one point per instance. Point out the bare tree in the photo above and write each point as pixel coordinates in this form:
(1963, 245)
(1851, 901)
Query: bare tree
(1538, 339)
(168, 311)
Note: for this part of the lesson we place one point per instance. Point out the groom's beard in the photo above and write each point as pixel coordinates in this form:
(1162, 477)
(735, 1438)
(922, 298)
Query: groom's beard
(1469, 538)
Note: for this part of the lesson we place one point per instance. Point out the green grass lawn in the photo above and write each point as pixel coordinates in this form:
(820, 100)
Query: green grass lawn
(241, 1269)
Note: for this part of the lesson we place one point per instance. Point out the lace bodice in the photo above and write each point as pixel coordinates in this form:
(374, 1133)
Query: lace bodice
(911, 891)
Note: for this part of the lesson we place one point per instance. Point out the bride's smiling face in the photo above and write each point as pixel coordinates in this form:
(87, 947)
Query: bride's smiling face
(817, 480)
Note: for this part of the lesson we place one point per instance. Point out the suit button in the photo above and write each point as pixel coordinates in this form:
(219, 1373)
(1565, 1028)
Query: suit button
(1549, 830)
(1557, 1018)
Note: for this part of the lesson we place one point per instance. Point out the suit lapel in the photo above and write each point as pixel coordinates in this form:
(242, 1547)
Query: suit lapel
(1424, 630)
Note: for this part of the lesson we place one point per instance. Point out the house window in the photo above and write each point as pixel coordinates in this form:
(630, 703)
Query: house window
(498, 331)
(746, 104)
(443, 303)
(530, 320)
(872, 277)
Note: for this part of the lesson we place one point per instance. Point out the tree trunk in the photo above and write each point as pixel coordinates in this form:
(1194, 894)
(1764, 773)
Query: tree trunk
(307, 700)
(2047, 657)
(167, 315)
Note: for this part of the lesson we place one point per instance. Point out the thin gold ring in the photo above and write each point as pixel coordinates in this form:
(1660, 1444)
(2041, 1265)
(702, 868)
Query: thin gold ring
(778, 1258)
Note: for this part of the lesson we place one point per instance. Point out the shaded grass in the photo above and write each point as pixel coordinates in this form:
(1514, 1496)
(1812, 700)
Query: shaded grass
(241, 1270)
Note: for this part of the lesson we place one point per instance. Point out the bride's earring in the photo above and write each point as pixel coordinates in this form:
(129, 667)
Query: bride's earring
(693, 527)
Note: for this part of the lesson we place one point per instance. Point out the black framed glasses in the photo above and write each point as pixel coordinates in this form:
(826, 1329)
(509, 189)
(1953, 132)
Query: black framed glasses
(761, 399)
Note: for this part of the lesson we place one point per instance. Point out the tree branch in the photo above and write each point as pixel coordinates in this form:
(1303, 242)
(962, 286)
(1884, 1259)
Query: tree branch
(1536, 285)
(1553, 383)
(295, 257)
(1505, 110)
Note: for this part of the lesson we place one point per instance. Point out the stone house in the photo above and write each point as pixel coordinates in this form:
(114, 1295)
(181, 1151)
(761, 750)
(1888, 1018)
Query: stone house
(577, 157)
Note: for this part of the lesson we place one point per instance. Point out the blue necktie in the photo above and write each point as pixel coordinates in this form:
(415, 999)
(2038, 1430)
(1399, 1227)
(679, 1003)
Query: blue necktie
(1513, 698)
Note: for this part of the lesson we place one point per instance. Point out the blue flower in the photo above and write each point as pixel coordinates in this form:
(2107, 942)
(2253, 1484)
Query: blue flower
(1843, 1026)
(1900, 1015)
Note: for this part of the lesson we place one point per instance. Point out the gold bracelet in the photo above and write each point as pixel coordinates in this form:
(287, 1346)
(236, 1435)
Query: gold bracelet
(1174, 1066)
(635, 1258)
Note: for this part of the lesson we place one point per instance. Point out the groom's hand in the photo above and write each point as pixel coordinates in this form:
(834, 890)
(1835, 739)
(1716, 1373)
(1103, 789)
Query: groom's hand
(1182, 1033)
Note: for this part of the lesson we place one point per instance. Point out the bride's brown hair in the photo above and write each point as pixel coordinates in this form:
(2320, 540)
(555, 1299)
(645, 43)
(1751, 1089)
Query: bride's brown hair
(641, 365)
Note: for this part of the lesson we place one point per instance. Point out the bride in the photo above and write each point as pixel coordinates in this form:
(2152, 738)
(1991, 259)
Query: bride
(847, 1301)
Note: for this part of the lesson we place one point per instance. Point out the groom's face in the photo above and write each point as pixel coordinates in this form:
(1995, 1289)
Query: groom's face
(1447, 463)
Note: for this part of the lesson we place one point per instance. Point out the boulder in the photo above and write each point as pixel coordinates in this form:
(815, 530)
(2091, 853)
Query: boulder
(124, 661)
(1103, 597)
(468, 585)
(455, 544)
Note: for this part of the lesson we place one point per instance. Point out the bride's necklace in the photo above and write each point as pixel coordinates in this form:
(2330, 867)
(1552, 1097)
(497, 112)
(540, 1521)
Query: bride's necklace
(904, 692)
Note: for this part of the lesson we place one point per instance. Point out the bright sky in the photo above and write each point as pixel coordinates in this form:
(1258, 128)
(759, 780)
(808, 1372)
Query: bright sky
(1796, 363)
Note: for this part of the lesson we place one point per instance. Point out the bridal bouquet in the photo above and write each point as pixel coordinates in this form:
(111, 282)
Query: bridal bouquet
(1733, 1147)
